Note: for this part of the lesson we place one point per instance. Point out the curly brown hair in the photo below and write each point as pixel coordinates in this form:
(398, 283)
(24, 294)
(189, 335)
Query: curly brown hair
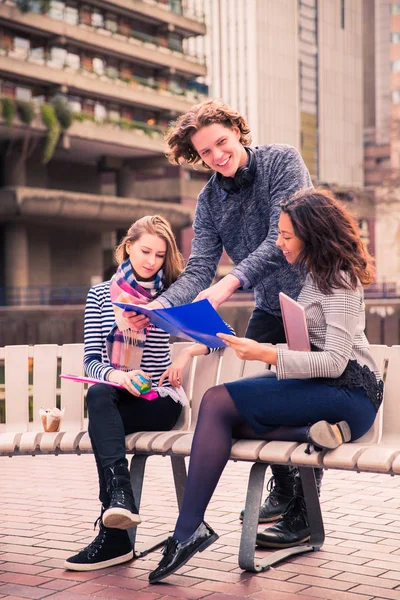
(179, 136)
(332, 241)
(155, 225)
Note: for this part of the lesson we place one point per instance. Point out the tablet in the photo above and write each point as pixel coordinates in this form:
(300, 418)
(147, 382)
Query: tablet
(295, 324)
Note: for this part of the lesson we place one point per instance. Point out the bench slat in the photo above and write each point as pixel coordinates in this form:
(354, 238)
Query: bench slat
(206, 370)
(277, 452)
(72, 392)
(16, 388)
(231, 367)
(44, 380)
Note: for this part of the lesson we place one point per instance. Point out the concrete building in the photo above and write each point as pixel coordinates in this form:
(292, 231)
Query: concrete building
(124, 69)
(295, 69)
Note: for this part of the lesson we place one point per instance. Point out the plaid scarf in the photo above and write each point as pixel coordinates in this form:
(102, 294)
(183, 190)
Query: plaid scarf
(125, 345)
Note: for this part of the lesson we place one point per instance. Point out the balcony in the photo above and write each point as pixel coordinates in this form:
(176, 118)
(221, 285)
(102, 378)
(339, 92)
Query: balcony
(79, 209)
(138, 46)
(188, 23)
(68, 80)
(90, 140)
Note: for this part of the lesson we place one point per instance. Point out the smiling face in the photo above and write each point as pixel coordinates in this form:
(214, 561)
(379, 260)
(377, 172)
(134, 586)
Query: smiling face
(287, 241)
(147, 255)
(219, 147)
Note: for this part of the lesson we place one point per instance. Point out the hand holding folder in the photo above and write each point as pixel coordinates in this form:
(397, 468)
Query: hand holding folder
(198, 321)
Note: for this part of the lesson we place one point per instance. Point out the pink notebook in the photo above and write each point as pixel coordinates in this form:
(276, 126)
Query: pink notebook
(295, 324)
(150, 395)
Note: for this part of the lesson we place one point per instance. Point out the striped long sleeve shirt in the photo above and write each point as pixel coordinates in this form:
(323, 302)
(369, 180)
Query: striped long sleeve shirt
(336, 324)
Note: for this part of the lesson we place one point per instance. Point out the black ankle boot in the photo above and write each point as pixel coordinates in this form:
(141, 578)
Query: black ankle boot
(122, 512)
(293, 528)
(280, 488)
(323, 435)
(110, 547)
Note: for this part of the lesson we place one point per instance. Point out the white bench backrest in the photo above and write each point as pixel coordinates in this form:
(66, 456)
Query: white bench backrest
(206, 371)
(42, 360)
(380, 354)
(391, 405)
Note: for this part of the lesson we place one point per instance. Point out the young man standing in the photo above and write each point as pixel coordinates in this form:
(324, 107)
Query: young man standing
(238, 210)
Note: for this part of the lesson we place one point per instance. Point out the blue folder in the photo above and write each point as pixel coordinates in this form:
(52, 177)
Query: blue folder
(198, 321)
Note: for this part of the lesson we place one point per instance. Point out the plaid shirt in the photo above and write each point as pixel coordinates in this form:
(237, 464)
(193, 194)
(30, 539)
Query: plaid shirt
(336, 325)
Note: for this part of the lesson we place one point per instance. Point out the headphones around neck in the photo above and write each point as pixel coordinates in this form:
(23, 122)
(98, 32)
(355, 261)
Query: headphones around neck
(243, 177)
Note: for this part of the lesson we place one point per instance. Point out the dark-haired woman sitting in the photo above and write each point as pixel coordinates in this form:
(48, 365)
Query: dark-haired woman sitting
(337, 386)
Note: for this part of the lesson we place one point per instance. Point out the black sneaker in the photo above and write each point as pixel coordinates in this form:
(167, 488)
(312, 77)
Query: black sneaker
(122, 512)
(110, 547)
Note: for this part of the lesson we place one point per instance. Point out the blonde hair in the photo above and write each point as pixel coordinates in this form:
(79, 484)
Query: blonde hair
(179, 136)
(155, 225)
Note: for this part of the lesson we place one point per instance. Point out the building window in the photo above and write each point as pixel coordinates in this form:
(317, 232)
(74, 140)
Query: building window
(73, 61)
(342, 13)
(100, 112)
(57, 9)
(111, 23)
(176, 6)
(35, 6)
(98, 66)
(71, 15)
(114, 114)
(37, 54)
(112, 70)
(396, 66)
(97, 19)
(75, 104)
(395, 8)
(58, 57)
(396, 96)
(8, 89)
(395, 37)
(23, 93)
(21, 47)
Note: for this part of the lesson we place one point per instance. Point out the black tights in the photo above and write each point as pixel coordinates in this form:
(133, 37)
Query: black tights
(219, 421)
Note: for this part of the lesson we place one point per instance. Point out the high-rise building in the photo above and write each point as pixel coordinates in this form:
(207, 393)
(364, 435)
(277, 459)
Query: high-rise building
(294, 68)
(124, 69)
(378, 46)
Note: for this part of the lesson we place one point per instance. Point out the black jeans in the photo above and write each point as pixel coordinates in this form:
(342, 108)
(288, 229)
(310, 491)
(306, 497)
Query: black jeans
(114, 413)
(264, 327)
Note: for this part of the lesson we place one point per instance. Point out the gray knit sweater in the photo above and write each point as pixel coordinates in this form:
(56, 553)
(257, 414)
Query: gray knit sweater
(245, 224)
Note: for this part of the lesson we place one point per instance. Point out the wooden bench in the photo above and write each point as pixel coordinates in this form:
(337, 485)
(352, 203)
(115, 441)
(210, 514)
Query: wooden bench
(34, 372)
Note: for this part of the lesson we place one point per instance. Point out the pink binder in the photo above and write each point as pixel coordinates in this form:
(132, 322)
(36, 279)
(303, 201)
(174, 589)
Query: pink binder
(150, 395)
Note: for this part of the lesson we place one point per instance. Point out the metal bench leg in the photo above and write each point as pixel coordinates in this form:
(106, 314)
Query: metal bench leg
(314, 514)
(247, 559)
(137, 475)
(137, 468)
(250, 519)
(180, 476)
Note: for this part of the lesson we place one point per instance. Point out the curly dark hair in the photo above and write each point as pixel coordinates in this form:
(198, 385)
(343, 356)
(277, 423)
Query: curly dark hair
(179, 135)
(332, 241)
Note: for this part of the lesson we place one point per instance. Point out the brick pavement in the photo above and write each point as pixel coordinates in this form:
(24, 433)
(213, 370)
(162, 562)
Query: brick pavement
(48, 505)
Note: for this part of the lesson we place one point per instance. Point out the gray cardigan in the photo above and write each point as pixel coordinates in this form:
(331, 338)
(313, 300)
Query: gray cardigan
(245, 224)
